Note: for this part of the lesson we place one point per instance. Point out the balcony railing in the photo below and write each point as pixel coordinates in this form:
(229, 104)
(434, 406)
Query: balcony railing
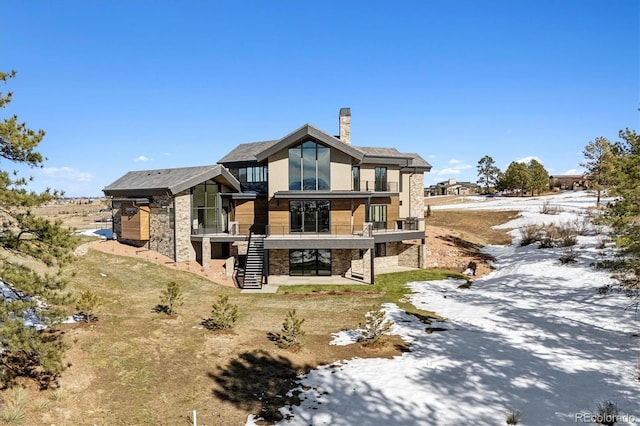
(334, 231)
(373, 186)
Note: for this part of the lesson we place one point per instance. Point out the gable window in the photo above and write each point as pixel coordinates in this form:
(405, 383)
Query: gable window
(355, 177)
(378, 216)
(309, 215)
(309, 165)
(381, 179)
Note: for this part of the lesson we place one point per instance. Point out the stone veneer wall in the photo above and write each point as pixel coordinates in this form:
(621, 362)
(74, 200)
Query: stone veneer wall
(161, 238)
(184, 248)
(341, 260)
(416, 188)
(279, 262)
(410, 256)
(386, 261)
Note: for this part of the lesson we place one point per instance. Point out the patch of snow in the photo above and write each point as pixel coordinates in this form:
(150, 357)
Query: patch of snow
(534, 336)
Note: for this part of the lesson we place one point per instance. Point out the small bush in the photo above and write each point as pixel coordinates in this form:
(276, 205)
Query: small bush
(605, 289)
(569, 256)
(547, 208)
(513, 418)
(170, 298)
(86, 303)
(375, 325)
(529, 234)
(607, 413)
(567, 234)
(223, 315)
(602, 241)
(291, 332)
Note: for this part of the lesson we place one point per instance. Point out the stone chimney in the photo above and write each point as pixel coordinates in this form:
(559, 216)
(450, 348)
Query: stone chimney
(345, 125)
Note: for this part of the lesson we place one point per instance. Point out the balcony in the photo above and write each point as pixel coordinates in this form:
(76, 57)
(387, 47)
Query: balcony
(337, 236)
(377, 186)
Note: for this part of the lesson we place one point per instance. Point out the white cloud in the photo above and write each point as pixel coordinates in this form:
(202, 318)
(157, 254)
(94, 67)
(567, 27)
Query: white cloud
(143, 158)
(66, 173)
(573, 172)
(529, 158)
(449, 171)
(457, 167)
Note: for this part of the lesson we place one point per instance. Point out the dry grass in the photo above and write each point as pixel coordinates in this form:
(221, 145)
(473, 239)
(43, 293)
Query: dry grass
(135, 366)
(473, 227)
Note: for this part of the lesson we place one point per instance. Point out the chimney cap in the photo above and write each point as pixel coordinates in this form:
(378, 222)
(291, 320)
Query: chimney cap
(345, 112)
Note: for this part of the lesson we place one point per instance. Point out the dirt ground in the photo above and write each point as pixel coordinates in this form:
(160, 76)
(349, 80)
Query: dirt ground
(216, 271)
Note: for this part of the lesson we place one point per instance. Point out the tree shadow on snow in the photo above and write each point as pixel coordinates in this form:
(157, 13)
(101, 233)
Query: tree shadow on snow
(258, 382)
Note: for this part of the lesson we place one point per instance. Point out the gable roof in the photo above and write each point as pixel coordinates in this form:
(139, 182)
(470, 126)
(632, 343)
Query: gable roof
(260, 151)
(309, 131)
(246, 152)
(169, 180)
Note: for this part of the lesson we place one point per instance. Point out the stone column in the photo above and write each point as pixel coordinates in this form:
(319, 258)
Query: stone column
(184, 250)
(206, 252)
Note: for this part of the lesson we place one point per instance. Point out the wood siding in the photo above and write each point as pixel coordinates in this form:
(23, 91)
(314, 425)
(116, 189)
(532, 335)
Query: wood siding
(134, 222)
(341, 217)
(359, 214)
(279, 216)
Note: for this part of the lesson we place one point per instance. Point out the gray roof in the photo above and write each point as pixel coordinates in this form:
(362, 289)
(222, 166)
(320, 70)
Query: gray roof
(246, 152)
(393, 156)
(168, 180)
(260, 151)
(315, 133)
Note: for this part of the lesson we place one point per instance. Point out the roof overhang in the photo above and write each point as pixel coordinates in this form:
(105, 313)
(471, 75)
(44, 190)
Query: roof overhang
(321, 195)
(305, 132)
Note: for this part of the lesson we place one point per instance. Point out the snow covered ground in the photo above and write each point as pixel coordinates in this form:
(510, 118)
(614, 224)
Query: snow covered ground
(533, 336)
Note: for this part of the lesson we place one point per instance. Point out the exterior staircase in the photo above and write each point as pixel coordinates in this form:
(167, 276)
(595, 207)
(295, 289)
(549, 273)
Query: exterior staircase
(251, 277)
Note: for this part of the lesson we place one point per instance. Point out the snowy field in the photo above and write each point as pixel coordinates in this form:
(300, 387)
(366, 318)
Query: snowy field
(533, 336)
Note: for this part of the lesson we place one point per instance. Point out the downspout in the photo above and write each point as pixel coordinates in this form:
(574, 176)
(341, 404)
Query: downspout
(175, 241)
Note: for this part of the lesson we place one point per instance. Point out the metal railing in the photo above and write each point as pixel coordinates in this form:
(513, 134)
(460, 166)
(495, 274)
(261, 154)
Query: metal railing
(333, 231)
(373, 186)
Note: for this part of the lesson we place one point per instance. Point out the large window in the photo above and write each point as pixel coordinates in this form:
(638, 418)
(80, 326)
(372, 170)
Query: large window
(355, 177)
(252, 174)
(378, 215)
(381, 179)
(253, 178)
(309, 215)
(309, 165)
(205, 213)
(310, 262)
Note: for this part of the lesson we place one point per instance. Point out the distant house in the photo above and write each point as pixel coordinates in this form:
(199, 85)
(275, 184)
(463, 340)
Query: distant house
(307, 204)
(453, 187)
(569, 182)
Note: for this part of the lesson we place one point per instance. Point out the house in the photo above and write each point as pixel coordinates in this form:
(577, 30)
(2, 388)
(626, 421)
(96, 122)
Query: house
(453, 187)
(307, 204)
(569, 182)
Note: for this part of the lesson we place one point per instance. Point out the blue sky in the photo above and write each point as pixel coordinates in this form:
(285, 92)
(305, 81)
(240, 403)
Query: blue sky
(134, 85)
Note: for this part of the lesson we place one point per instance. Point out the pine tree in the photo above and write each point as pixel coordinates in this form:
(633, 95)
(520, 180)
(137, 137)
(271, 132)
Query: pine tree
(488, 174)
(599, 163)
(623, 215)
(517, 177)
(539, 177)
(27, 350)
